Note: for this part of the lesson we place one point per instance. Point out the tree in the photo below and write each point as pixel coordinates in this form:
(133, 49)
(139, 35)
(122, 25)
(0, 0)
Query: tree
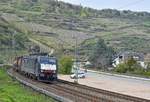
(101, 55)
(84, 13)
(65, 65)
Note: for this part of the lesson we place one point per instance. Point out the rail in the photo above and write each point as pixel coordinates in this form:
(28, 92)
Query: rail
(65, 91)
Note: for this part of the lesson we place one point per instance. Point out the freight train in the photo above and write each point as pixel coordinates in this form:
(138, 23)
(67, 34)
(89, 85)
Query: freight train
(38, 66)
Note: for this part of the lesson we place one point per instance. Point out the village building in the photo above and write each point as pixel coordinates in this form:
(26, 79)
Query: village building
(124, 56)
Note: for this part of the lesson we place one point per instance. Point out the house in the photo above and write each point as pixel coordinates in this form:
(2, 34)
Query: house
(147, 58)
(124, 56)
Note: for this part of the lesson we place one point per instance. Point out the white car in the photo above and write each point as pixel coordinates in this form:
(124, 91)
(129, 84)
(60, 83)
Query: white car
(80, 75)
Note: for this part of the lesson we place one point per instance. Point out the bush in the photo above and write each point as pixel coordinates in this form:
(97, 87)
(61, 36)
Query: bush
(132, 67)
(148, 66)
(121, 68)
(142, 72)
(147, 73)
(129, 66)
(65, 65)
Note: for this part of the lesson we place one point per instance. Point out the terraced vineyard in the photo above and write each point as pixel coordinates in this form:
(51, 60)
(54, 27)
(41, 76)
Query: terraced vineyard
(58, 28)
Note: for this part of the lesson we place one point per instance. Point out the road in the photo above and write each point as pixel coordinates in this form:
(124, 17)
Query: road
(133, 87)
(116, 78)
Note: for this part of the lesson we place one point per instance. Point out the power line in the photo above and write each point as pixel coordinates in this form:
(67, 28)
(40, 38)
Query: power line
(131, 4)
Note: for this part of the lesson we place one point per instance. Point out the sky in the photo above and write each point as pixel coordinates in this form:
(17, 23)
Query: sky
(134, 5)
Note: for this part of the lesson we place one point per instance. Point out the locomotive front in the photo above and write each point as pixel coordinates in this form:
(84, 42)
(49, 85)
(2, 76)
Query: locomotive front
(47, 68)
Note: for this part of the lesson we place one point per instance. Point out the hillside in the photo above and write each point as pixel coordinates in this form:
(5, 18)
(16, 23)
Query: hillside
(56, 25)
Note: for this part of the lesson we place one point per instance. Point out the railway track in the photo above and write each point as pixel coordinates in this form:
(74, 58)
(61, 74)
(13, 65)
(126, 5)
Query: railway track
(71, 92)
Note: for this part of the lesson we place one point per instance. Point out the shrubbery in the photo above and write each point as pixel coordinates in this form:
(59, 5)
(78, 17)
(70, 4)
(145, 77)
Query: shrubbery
(128, 66)
(65, 65)
(121, 68)
(131, 66)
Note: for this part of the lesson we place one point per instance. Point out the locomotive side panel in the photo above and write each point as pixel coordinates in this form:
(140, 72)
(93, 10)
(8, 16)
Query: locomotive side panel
(28, 65)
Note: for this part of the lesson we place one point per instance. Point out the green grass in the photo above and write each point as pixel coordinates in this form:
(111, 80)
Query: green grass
(13, 91)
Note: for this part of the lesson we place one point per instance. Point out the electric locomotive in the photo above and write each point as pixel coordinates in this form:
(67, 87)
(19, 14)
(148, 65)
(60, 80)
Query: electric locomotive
(39, 66)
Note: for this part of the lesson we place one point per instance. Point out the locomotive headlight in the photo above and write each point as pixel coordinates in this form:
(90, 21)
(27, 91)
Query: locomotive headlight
(54, 71)
(42, 70)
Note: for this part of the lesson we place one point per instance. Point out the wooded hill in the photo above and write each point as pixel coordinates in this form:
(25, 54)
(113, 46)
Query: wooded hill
(56, 24)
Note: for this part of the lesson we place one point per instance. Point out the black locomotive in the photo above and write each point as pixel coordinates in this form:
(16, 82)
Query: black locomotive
(38, 66)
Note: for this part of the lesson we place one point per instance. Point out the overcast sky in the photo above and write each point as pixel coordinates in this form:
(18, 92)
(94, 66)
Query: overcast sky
(134, 5)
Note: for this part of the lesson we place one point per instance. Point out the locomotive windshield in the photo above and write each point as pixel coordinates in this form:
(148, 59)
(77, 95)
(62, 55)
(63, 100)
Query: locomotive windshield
(48, 64)
(48, 61)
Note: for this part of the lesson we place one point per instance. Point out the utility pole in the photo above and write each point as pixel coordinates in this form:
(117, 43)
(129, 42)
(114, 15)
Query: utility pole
(75, 54)
(13, 46)
(76, 61)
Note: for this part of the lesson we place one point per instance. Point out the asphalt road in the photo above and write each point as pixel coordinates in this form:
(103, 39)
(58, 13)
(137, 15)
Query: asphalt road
(116, 78)
(128, 86)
